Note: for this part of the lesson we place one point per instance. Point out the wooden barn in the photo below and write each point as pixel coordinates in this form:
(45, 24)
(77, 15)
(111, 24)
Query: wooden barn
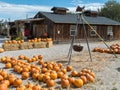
(61, 25)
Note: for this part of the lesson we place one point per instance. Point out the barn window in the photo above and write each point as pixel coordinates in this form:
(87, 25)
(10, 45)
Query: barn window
(110, 30)
(72, 30)
(92, 32)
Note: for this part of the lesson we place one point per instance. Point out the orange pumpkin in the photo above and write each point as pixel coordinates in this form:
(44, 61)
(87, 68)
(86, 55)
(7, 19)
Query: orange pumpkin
(69, 68)
(1, 78)
(21, 88)
(17, 82)
(1, 50)
(78, 82)
(8, 65)
(53, 76)
(36, 87)
(84, 79)
(3, 86)
(25, 75)
(50, 83)
(74, 73)
(65, 83)
(40, 77)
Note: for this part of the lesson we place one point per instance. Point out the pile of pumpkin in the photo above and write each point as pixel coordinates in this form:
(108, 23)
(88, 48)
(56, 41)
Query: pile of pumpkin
(49, 73)
(13, 42)
(40, 39)
(114, 48)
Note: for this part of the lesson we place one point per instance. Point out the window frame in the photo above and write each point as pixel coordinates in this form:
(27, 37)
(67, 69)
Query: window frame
(110, 30)
(73, 30)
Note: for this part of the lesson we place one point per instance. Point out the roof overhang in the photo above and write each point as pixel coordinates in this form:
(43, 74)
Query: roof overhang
(29, 20)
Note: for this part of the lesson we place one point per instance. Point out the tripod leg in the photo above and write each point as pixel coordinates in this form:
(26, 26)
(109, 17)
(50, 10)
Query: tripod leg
(70, 52)
(70, 47)
(86, 39)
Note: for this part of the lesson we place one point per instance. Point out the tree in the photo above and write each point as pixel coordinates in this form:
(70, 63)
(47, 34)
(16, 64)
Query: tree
(111, 9)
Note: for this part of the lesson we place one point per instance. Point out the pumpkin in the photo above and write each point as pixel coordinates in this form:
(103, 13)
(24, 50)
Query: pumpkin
(40, 57)
(3, 86)
(6, 82)
(65, 83)
(74, 73)
(1, 50)
(64, 70)
(29, 85)
(35, 75)
(90, 78)
(60, 74)
(36, 87)
(78, 82)
(40, 77)
(11, 80)
(71, 80)
(8, 65)
(84, 79)
(53, 76)
(50, 83)
(45, 78)
(17, 82)
(69, 68)
(21, 56)
(1, 78)
(25, 75)
(21, 88)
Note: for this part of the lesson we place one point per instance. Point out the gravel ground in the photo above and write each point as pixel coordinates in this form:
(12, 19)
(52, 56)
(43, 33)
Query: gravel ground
(105, 66)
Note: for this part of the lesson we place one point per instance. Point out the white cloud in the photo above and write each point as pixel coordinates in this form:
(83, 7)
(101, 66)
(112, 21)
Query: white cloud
(14, 11)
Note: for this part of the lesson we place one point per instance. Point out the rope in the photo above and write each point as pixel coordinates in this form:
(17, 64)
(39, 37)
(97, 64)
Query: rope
(98, 35)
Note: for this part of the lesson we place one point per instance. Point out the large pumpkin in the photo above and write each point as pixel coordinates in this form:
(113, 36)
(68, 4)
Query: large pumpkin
(78, 82)
(1, 50)
(3, 86)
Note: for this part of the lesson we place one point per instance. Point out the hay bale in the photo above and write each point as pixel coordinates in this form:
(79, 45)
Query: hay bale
(24, 45)
(10, 47)
(14, 47)
(30, 45)
(49, 44)
(40, 44)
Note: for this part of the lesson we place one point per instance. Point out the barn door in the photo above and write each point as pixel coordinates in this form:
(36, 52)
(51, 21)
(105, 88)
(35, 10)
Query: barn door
(39, 30)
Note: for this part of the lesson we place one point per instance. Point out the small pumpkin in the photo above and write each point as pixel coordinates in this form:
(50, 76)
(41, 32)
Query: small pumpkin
(36, 87)
(50, 83)
(8, 65)
(25, 75)
(17, 82)
(74, 73)
(1, 50)
(84, 78)
(65, 83)
(69, 68)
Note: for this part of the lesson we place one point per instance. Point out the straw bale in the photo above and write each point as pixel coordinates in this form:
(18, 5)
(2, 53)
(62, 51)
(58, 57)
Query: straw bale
(49, 44)
(40, 44)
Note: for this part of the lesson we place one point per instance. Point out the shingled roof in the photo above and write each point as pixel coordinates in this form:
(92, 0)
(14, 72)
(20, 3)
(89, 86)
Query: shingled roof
(72, 18)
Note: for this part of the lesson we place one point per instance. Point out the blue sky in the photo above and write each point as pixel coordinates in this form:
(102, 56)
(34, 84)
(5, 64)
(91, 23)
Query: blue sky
(22, 9)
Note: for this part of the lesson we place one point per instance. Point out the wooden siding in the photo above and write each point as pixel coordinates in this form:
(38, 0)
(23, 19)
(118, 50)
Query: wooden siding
(39, 30)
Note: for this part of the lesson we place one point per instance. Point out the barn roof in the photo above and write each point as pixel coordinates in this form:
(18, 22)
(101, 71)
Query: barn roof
(72, 18)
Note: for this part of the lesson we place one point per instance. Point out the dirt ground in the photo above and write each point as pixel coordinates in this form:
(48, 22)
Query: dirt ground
(105, 66)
